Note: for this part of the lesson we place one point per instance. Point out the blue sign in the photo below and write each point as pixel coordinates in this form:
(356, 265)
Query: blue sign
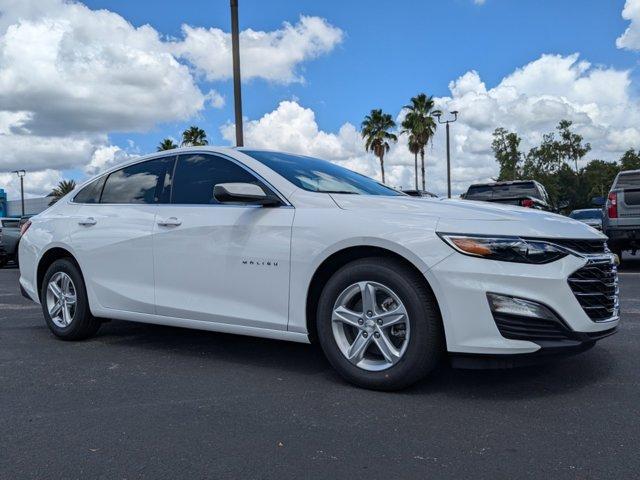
(3, 202)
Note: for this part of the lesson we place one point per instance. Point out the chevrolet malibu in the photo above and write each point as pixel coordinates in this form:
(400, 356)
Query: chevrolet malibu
(294, 248)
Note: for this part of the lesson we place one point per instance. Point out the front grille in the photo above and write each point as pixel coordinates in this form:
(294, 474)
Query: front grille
(516, 327)
(587, 247)
(596, 287)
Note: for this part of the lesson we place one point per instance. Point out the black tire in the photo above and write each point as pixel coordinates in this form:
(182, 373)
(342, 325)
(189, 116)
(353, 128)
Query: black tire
(426, 342)
(3, 262)
(83, 324)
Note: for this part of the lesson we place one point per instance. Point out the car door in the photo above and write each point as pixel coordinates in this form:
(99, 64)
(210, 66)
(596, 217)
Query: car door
(218, 262)
(112, 235)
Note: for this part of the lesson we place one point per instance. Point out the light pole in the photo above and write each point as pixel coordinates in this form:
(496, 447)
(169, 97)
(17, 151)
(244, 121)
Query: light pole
(235, 53)
(438, 115)
(21, 174)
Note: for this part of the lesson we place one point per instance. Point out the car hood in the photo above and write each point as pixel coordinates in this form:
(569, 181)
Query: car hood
(467, 216)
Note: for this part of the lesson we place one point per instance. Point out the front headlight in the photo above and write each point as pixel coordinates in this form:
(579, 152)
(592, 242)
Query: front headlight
(504, 249)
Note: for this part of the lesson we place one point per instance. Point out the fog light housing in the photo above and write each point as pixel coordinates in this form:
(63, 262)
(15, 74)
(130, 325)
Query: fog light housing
(506, 305)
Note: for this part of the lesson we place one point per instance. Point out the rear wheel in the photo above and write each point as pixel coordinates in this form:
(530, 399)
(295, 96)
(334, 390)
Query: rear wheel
(379, 325)
(64, 302)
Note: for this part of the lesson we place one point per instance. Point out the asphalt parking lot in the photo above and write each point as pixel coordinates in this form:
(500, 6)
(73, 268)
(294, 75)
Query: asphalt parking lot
(143, 401)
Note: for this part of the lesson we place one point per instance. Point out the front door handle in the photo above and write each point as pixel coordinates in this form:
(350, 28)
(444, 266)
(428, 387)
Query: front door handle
(87, 222)
(169, 222)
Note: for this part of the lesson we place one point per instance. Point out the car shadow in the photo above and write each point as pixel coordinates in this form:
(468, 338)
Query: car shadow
(557, 377)
(239, 349)
(554, 377)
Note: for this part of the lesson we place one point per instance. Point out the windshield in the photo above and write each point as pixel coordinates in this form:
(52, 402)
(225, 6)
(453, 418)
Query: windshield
(586, 214)
(317, 175)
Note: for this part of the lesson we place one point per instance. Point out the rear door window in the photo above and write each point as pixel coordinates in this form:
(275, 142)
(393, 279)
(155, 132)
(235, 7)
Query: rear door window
(143, 182)
(91, 193)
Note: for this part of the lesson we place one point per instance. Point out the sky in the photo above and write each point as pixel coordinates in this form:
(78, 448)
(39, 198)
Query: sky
(84, 86)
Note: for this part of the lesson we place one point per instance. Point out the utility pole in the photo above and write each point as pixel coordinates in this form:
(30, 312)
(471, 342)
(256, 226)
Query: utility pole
(438, 115)
(21, 174)
(235, 52)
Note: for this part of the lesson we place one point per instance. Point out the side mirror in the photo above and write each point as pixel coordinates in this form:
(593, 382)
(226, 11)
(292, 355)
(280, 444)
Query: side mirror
(244, 193)
(598, 201)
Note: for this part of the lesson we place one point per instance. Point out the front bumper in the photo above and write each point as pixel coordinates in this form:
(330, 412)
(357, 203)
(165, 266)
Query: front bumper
(582, 343)
(461, 284)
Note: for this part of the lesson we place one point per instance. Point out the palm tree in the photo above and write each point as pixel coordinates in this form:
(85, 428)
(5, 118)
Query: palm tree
(419, 122)
(64, 187)
(167, 144)
(414, 147)
(194, 137)
(375, 131)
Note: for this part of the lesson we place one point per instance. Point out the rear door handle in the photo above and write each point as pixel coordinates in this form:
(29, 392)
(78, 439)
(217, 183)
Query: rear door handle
(169, 222)
(87, 222)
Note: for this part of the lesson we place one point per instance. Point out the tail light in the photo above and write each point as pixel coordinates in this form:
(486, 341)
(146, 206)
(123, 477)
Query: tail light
(612, 205)
(25, 226)
(527, 202)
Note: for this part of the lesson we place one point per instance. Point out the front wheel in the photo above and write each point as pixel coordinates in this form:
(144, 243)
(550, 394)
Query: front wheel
(64, 302)
(379, 325)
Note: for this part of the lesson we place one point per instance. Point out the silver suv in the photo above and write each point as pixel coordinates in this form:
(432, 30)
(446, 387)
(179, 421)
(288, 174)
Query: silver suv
(621, 220)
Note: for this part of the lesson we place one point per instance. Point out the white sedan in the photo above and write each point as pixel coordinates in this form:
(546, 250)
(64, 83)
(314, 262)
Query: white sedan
(294, 248)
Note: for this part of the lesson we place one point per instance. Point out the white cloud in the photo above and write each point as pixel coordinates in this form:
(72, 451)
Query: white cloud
(531, 100)
(70, 75)
(479, 2)
(274, 56)
(105, 157)
(82, 70)
(630, 39)
(35, 183)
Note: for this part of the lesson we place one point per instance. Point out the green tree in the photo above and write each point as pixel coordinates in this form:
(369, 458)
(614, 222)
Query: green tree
(64, 187)
(505, 146)
(598, 177)
(166, 144)
(419, 123)
(375, 131)
(543, 163)
(194, 137)
(570, 145)
(630, 160)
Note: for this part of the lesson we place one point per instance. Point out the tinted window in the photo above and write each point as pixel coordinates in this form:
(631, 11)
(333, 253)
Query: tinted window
(139, 183)
(586, 214)
(10, 223)
(196, 175)
(317, 175)
(91, 193)
(628, 180)
(527, 189)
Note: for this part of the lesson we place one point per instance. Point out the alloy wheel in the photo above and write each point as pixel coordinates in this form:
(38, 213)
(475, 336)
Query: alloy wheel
(370, 325)
(61, 299)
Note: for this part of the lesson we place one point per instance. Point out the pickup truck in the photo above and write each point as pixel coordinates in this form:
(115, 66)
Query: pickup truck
(9, 237)
(621, 220)
(523, 193)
